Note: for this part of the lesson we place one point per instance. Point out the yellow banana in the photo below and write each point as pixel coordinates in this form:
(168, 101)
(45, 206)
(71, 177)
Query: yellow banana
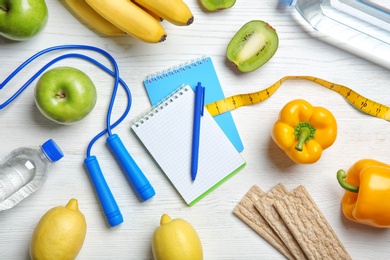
(158, 18)
(174, 11)
(87, 14)
(131, 19)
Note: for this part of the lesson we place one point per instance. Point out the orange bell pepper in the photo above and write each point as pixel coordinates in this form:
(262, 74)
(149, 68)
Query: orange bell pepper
(304, 131)
(367, 196)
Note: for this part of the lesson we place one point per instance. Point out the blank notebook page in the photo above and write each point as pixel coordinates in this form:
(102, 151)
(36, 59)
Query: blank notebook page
(166, 132)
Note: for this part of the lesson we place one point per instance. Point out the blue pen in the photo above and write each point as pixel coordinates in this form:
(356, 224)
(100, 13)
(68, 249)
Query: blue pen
(198, 113)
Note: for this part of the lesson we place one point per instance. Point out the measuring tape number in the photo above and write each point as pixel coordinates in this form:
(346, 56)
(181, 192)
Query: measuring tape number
(355, 99)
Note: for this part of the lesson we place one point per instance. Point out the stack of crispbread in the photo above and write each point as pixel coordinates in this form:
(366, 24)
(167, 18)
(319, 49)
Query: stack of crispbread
(291, 222)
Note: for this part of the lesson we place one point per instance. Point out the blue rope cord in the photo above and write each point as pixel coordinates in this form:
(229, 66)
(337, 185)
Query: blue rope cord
(114, 73)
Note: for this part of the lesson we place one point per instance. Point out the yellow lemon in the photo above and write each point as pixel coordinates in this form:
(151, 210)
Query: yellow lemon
(59, 234)
(176, 240)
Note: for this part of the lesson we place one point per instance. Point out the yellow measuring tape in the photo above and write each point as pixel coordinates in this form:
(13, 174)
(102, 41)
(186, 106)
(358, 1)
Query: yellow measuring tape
(355, 99)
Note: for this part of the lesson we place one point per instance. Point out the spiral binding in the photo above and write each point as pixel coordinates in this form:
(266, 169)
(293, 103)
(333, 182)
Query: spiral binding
(161, 105)
(176, 69)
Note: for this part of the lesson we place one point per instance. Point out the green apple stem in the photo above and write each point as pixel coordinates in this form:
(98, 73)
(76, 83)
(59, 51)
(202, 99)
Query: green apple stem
(4, 6)
(60, 95)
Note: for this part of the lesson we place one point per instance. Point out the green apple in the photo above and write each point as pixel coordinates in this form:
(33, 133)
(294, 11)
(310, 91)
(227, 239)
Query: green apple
(22, 19)
(65, 95)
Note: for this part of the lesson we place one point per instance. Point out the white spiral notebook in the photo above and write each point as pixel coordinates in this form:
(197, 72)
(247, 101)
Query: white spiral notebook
(166, 132)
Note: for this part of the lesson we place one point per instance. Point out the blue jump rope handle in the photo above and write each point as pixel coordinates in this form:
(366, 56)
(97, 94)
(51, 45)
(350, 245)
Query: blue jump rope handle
(107, 200)
(133, 172)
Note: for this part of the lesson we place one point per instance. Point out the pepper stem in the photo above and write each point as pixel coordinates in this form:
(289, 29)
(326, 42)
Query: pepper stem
(341, 175)
(304, 131)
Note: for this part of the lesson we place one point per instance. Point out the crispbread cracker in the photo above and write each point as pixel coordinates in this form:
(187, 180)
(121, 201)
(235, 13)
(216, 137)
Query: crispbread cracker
(309, 226)
(265, 206)
(246, 211)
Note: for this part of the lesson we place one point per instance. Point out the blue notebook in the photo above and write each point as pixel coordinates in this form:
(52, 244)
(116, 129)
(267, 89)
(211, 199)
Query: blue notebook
(161, 84)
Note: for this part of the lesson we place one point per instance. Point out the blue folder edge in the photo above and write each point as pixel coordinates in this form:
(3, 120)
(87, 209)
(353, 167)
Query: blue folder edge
(206, 74)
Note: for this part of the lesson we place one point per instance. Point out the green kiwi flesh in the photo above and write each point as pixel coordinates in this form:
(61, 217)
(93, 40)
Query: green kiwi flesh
(215, 5)
(252, 46)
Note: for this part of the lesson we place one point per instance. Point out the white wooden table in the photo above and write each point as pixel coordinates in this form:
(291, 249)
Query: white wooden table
(223, 235)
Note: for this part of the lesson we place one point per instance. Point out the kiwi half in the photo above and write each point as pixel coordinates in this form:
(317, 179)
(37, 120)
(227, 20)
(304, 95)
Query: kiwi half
(215, 5)
(252, 46)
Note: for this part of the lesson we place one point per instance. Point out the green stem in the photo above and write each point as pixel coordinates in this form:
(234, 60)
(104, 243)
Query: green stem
(3, 7)
(341, 175)
(304, 131)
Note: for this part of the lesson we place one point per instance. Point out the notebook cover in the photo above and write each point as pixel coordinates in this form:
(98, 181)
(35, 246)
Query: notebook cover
(166, 132)
(160, 85)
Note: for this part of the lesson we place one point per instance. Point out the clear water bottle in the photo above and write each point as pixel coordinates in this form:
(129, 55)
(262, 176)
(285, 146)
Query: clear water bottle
(361, 27)
(24, 171)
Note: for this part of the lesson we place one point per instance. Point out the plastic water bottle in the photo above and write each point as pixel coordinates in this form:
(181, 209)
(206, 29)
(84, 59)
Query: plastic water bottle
(360, 27)
(24, 171)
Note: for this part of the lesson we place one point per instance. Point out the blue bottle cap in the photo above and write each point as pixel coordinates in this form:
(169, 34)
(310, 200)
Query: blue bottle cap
(52, 151)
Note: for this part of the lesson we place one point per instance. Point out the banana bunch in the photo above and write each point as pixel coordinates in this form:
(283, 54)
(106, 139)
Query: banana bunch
(138, 18)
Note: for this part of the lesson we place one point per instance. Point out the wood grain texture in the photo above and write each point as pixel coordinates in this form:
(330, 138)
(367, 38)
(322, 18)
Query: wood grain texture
(223, 235)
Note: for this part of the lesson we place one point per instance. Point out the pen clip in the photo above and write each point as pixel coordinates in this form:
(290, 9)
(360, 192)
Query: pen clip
(202, 89)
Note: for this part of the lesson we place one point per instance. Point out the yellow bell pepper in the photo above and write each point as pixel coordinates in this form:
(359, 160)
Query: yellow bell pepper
(367, 196)
(304, 131)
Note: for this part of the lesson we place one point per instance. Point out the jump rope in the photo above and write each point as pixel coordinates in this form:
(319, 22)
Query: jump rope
(138, 180)
(136, 177)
